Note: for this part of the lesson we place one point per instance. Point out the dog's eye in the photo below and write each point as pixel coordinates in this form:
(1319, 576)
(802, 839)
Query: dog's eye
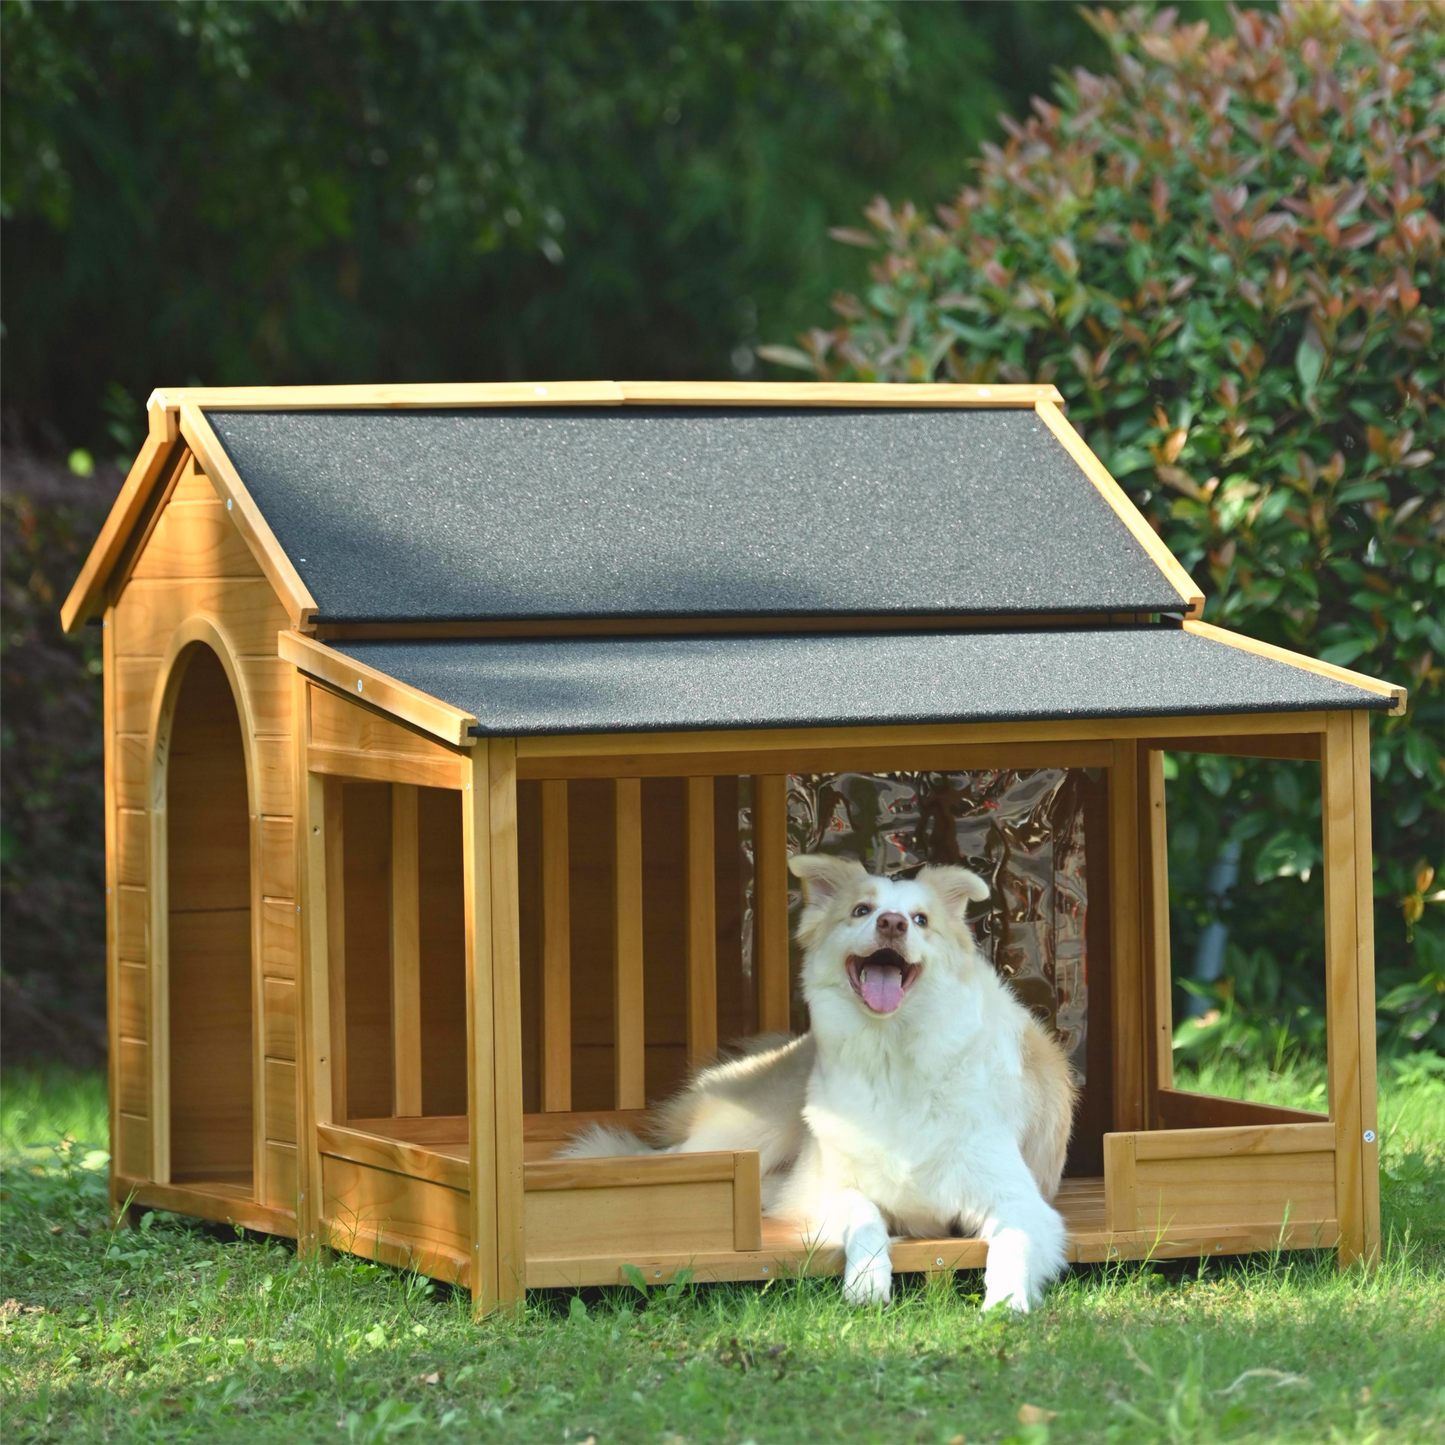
(921, 919)
(863, 910)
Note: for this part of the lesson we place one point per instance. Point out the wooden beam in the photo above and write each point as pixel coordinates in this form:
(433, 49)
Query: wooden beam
(507, 1022)
(914, 395)
(391, 397)
(362, 684)
(1154, 932)
(701, 924)
(214, 460)
(481, 1087)
(1365, 991)
(405, 953)
(770, 898)
(1303, 747)
(556, 951)
(88, 594)
(333, 812)
(1189, 594)
(1126, 983)
(628, 1018)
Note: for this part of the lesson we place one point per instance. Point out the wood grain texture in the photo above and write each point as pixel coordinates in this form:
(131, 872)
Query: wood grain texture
(361, 1203)
(556, 950)
(691, 754)
(152, 610)
(507, 1021)
(481, 1242)
(1127, 982)
(356, 680)
(87, 596)
(1304, 746)
(308, 957)
(770, 893)
(280, 1018)
(1127, 512)
(836, 393)
(194, 540)
(406, 1043)
(416, 1161)
(701, 923)
(328, 951)
(281, 1101)
(279, 937)
(389, 767)
(246, 516)
(628, 1013)
(747, 1201)
(1176, 1109)
(1365, 991)
(1154, 931)
(626, 1220)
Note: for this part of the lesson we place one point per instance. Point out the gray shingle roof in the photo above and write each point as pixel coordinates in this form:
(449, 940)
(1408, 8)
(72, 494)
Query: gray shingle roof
(665, 683)
(602, 512)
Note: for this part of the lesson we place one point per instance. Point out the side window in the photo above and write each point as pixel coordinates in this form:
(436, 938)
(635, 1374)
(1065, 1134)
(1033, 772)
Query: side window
(1247, 939)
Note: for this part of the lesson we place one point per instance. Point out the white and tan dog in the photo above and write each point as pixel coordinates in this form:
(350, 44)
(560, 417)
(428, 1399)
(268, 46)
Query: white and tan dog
(925, 1101)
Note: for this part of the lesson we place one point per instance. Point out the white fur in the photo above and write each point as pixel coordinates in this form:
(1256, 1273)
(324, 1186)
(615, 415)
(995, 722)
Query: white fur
(950, 1114)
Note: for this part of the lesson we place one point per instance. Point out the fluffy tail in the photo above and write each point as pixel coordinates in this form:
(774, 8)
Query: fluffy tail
(603, 1141)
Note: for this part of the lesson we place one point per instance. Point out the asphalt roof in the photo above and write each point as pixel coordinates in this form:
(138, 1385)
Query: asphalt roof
(636, 512)
(622, 684)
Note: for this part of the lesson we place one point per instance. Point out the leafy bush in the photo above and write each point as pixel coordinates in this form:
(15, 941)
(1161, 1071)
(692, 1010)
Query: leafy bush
(52, 797)
(1227, 255)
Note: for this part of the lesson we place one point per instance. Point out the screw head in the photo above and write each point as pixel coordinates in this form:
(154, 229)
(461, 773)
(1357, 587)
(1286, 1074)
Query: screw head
(939, 1260)
(1369, 1136)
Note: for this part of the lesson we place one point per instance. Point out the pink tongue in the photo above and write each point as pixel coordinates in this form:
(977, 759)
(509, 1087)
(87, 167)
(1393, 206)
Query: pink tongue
(882, 990)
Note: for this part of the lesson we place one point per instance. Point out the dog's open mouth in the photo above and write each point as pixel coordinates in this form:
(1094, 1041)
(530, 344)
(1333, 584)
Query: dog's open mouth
(881, 979)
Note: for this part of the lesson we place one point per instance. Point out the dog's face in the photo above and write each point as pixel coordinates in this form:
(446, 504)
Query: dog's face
(874, 944)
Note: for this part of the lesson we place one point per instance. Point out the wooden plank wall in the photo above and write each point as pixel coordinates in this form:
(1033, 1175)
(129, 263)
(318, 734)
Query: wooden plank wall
(196, 564)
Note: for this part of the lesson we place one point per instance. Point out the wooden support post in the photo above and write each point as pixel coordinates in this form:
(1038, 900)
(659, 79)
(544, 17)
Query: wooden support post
(556, 950)
(1124, 933)
(628, 1020)
(1350, 983)
(112, 940)
(1154, 900)
(481, 1093)
(701, 924)
(334, 842)
(770, 896)
(405, 954)
(313, 1023)
(507, 1020)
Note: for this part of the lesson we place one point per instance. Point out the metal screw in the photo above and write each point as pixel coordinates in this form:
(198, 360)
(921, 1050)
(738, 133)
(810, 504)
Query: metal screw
(540, 390)
(358, 684)
(939, 1260)
(228, 504)
(657, 1273)
(765, 1269)
(1369, 1136)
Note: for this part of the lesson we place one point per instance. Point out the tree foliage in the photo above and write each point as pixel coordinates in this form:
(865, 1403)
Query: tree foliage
(308, 192)
(1227, 253)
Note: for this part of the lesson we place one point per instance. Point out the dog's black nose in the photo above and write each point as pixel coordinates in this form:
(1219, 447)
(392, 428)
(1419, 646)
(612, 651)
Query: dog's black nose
(892, 925)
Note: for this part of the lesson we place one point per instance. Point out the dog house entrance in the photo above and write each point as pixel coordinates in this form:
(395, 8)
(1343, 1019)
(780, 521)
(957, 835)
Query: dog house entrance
(211, 1020)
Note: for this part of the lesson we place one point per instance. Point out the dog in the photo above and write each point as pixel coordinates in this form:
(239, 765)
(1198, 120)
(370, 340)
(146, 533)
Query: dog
(924, 1101)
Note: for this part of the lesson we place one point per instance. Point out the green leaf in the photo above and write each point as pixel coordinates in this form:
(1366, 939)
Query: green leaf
(1309, 361)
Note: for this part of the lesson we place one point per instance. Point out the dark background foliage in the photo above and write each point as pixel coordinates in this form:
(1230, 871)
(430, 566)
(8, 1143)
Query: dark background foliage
(1226, 251)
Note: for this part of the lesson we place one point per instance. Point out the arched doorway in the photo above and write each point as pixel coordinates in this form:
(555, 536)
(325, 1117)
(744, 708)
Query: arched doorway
(208, 873)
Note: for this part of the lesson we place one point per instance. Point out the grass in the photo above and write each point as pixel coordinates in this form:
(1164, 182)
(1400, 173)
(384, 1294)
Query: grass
(181, 1331)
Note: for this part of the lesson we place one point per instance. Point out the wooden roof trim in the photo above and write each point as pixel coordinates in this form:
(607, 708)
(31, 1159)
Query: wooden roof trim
(88, 596)
(1129, 514)
(377, 690)
(1398, 695)
(833, 393)
(211, 456)
(605, 393)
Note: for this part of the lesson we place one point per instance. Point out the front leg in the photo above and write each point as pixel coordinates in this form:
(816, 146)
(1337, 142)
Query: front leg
(1025, 1236)
(867, 1266)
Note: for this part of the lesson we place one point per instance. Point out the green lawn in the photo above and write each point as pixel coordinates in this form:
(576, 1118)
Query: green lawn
(179, 1331)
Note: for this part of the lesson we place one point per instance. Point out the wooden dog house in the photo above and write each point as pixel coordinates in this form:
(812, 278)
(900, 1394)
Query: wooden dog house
(441, 724)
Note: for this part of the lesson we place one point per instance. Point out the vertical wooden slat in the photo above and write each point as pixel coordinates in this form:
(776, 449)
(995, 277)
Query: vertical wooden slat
(313, 1030)
(112, 903)
(333, 830)
(701, 924)
(1365, 975)
(507, 1019)
(1121, 1204)
(747, 1201)
(405, 954)
(1124, 932)
(481, 1090)
(1154, 901)
(556, 950)
(1342, 981)
(629, 1023)
(770, 893)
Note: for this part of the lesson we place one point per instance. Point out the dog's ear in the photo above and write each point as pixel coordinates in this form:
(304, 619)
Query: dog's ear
(823, 875)
(957, 887)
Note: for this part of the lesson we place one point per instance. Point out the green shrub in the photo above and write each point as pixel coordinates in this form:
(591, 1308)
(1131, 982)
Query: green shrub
(1227, 255)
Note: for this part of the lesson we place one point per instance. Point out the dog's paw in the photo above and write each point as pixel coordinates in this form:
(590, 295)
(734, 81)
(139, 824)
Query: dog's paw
(868, 1281)
(1016, 1299)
